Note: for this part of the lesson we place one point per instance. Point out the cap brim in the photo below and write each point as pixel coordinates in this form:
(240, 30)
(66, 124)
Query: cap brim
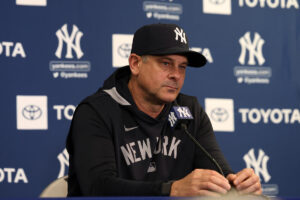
(194, 58)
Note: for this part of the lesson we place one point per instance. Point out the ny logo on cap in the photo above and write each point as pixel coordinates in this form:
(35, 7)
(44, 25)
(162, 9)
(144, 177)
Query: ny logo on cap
(179, 32)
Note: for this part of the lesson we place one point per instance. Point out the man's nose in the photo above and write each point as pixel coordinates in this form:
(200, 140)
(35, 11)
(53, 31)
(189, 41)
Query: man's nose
(175, 72)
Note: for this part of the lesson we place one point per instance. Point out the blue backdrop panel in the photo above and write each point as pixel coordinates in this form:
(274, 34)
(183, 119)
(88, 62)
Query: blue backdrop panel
(54, 53)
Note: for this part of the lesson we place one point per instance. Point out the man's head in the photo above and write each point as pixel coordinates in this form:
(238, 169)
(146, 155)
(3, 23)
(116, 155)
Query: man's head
(159, 57)
(165, 39)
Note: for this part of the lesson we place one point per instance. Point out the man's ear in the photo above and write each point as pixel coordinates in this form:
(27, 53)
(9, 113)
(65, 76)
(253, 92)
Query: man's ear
(134, 63)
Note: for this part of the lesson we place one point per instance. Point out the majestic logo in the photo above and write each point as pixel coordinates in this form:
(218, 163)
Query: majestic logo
(32, 112)
(252, 74)
(121, 48)
(254, 48)
(181, 34)
(152, 167)
(221, 7)
(259, 164)
(63, 159)
(221, 113)
(72, 41)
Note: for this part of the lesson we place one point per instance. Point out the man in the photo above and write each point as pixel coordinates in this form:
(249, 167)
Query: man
(121, 141)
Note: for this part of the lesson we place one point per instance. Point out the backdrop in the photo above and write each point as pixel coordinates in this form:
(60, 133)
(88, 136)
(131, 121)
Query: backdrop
(54, 53)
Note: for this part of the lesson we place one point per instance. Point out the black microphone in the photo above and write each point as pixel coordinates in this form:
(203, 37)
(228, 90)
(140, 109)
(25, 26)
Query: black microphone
(179, 115)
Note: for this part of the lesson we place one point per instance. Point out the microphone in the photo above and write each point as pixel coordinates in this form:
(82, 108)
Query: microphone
(179, 115)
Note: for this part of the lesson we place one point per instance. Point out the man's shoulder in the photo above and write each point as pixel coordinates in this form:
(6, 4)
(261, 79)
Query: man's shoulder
(99, 101)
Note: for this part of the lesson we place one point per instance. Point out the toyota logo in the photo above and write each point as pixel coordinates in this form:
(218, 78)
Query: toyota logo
(124, 50)
(219, 114)
(32, 112)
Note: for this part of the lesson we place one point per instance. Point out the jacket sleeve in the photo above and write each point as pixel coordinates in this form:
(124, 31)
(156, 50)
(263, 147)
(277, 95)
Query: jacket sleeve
(92, 170)
(205, 135)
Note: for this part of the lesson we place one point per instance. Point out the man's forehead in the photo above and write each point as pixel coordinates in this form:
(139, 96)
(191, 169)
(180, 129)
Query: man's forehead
(172, 57)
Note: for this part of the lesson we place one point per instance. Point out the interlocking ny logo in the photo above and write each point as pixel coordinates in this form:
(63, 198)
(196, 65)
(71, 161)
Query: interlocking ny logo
(72, 41)
(181, 34)
(172, 119)
(63, 159)
(183, 112)
(254, 47)
(259, 164)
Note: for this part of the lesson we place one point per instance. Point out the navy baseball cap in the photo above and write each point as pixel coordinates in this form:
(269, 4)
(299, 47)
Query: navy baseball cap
(165, 39)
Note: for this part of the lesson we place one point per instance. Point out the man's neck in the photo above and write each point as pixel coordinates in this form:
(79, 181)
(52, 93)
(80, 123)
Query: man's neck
(143, 104)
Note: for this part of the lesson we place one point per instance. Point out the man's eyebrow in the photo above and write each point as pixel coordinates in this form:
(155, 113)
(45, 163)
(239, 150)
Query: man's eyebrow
(172, 60)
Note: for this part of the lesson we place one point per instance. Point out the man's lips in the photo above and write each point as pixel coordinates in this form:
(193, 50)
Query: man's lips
(171, 86)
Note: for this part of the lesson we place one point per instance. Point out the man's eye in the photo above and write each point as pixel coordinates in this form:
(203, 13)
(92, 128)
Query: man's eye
(166, 63)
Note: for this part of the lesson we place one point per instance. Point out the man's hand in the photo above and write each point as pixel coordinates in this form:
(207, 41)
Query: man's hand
(246, 182)
(201, 182)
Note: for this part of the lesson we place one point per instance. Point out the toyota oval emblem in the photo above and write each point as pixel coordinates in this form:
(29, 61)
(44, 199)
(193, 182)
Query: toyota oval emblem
(124, 50)
(32, 112)
(219, 114)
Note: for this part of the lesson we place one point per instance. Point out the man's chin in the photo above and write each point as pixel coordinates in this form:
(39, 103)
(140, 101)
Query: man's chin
(169, 98)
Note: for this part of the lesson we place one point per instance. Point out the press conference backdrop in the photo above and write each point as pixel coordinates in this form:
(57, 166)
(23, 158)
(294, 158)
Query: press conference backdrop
(53, 53)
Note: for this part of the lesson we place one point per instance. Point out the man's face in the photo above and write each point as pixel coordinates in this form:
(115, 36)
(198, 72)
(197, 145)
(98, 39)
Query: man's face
(161, 78)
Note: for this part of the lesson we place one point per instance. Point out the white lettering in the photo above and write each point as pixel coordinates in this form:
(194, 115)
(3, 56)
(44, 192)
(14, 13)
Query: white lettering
(18, 50)
(10, 176)
(265, 115)
(157, 149)
(127, 154)
(58, 109)
(275, 115)
(244, 112)
(68, 111)
(286, 113)
(270, 3)
(173, 147)
(165, 143)
(207, 54)
(274, 119)
(20, 176)
(145, 148)
(7, 46)
(295, 116)
(2, 176)
(9, 172)
(131, 145)
(254, 116)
